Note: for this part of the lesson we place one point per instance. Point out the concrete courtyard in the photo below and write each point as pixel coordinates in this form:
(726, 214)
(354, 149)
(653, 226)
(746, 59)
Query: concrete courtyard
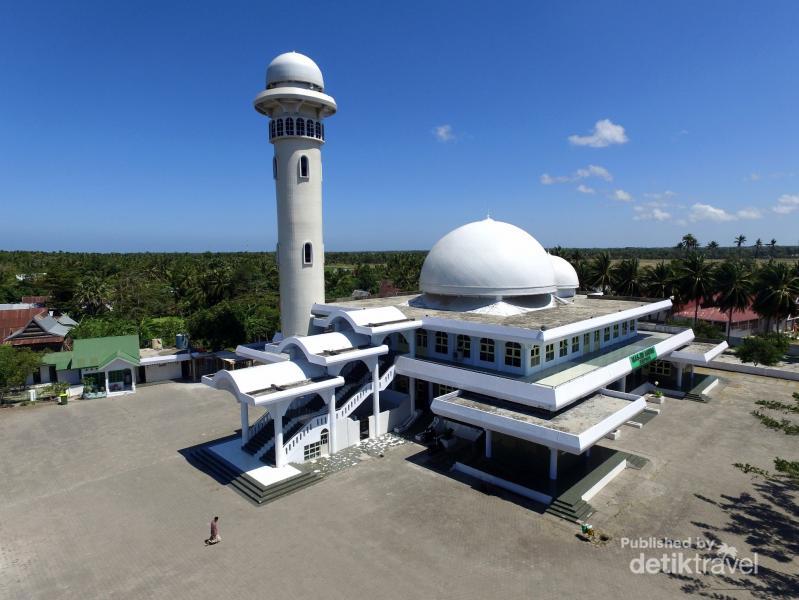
(97, 502)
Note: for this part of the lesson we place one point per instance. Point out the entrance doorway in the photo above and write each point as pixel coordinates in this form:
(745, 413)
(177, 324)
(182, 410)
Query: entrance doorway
(324, 440)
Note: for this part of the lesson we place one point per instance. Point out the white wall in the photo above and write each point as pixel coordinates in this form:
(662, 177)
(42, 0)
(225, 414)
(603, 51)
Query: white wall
(163, 371)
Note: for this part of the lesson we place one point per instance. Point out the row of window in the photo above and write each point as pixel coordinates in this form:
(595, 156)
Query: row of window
(300, 126)
(513, 350)
(303, 167)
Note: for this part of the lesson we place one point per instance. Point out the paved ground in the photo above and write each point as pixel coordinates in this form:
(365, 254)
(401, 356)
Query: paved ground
(98, 503)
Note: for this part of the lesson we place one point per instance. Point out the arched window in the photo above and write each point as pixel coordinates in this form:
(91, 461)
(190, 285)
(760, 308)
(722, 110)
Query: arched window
(318, 130)
(303, 166)
(310, 128)
(289, 126)
(280, 128)
(274, 167)
(271, 129)
(307, 254)
(300, 126)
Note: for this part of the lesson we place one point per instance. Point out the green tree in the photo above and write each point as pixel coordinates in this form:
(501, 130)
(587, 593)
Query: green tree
(777, 291)
(16, 365)
(626, 277)
(695, 279)
(658, 280)
(734, 283)
(763, 349)
(600, 272)
(712, 247)
(92, 295)
(758, 247)
(740, 241)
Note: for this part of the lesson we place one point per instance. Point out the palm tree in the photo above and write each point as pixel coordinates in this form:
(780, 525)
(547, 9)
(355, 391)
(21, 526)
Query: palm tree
(557, 251)
(778, 289)
(92, 295)
(600, 271)
(695, 279)
(772, 245)
(758, 247)
(734, 283)
(712, 246)
(688, 242)
(626, 277)
(658, 281)
(739, 241)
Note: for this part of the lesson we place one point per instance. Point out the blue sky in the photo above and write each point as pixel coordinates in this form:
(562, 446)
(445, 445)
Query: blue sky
(129, 126)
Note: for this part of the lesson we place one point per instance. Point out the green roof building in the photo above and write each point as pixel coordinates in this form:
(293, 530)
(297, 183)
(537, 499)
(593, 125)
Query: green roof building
(105, 364)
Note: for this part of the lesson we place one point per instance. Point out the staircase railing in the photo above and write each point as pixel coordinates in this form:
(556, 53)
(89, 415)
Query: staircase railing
(260, 424)
(317, 421)
(365, 391)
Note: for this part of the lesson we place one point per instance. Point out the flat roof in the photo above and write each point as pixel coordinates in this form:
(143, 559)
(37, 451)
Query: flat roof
(581, 309)
(574, 419)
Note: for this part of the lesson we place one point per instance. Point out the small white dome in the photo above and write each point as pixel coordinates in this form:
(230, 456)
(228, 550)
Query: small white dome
(292, 67)
(487, 258)
(565, 275)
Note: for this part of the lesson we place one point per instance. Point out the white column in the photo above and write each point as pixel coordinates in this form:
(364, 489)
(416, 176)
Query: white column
(331, 421)
(245, 423)
(553, 464)
(679, 376)
(622, 384)
(280, 456)
(106, 382)
(412, 393)
(376, 397)
(489, 440)
(411, 336)
(132, 380)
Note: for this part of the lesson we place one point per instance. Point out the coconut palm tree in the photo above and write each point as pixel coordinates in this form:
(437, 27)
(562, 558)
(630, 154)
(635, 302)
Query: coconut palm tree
(772, 246)
(600, 272)
(758, 247)
(712, 246)
(777, 292)
(92, 295)
(626, 277)
(695, 279)
(658, 281)
(688, 242)
(734, 283)
(739, 241)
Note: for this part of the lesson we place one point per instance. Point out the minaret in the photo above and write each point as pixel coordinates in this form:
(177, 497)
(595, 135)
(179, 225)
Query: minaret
(296, 104)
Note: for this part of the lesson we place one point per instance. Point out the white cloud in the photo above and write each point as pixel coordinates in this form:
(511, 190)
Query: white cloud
(604, 134)
(650, 214)
(589, 171)
(584, 189)
(444, 133)
(706, 212)
(753, 177)
(622, 196)
(665, 195)
(749, 213)
(786, 204)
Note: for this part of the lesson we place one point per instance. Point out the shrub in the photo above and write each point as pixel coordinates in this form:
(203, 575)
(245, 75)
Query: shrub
(765, 349)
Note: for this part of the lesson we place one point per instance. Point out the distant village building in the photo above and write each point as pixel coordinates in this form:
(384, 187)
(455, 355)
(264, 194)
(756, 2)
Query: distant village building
(29, 324)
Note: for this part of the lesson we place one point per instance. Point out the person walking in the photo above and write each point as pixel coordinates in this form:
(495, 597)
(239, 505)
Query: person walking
(215, 537)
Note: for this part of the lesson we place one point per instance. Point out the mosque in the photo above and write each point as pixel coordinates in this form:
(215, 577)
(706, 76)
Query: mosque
(498, 352)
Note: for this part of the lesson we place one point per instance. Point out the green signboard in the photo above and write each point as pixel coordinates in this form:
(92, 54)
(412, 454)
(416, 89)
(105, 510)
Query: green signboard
(644, 357)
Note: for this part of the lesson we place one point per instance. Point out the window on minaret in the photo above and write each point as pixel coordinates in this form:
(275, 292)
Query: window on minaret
(274, 167)
(271, 129)
(279, 127)
(300, 126)
(323, 131)
(513, 354)
(303, 166)
(307, 254)
(464, 345)
(442, 342)
(310, 128)
(486, 350)
(318, 130)
(289, 126)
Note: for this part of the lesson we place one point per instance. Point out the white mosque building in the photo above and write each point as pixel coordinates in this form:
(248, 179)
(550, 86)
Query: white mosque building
(498, 349)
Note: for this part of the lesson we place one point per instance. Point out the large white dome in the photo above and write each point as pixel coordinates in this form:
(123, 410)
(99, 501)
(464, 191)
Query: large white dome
(488, 258)
(565, 275)
(293, 67)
